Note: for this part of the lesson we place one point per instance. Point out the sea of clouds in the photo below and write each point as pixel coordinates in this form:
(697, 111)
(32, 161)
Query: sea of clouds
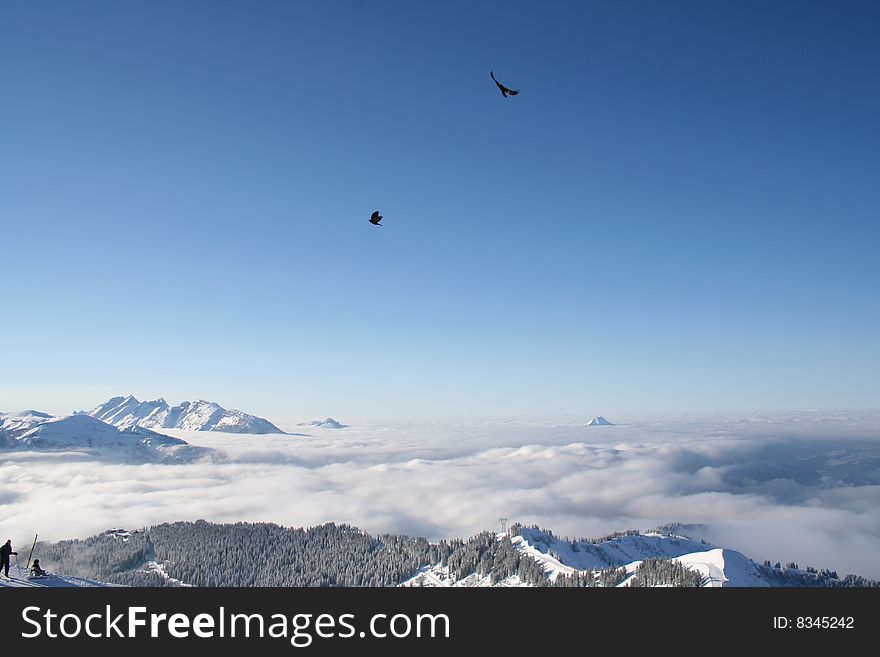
(801, 486)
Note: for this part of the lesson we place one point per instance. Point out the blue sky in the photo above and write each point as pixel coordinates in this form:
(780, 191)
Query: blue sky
(678, 212)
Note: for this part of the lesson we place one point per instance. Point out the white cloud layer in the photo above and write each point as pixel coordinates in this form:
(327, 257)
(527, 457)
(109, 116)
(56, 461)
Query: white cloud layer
(799, 486)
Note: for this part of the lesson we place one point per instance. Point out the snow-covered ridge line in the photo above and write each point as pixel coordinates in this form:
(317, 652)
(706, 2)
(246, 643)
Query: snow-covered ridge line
(717, 566)
(32, 430)
(626, 559)
(343, 555)
(200, 415)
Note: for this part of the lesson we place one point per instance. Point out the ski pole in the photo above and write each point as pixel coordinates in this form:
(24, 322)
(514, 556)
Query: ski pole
(32, 551)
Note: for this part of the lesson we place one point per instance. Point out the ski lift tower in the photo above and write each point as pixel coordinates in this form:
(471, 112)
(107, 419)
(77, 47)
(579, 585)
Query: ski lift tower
(503, 522)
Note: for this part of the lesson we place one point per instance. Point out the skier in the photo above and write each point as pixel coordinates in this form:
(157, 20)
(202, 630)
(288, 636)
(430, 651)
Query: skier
(37, 571)
(5, 552)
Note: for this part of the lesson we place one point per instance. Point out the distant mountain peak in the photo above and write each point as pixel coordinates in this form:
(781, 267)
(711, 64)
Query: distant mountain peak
(326, 423)
(600, 421)
(27, 413)
(200, 415)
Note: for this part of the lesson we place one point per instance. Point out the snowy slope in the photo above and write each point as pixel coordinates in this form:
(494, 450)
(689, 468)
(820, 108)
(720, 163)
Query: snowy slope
(18, 578)
(21, 421)
(566, 557)
(723, 567)
(38, 431)
(125, 412)
(719, 567)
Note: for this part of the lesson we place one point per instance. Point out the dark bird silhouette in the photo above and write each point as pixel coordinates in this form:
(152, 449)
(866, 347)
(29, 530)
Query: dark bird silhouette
(504, 90)
(375, 218)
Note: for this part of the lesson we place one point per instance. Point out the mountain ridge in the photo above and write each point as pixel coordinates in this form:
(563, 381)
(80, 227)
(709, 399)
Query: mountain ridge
(326, 423)
(198, 553)
(41, 431)
(200, 415)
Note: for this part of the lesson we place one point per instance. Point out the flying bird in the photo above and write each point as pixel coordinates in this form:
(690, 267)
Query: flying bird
(375, 218)
(504, 90)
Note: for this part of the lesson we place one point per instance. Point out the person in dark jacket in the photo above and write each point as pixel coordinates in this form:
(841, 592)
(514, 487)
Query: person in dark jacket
(36, 570)
(5, 552)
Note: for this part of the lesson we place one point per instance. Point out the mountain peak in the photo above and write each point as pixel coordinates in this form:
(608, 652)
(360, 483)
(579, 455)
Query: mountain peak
(326, 423)
(201, 415)
(600, 421)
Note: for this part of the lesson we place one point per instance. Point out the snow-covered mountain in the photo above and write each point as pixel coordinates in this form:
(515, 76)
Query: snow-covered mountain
(600, 421)
(718, 567)
(342, 555)
(326, 423)
(32, 430)
(125, 412)
(21, 421)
